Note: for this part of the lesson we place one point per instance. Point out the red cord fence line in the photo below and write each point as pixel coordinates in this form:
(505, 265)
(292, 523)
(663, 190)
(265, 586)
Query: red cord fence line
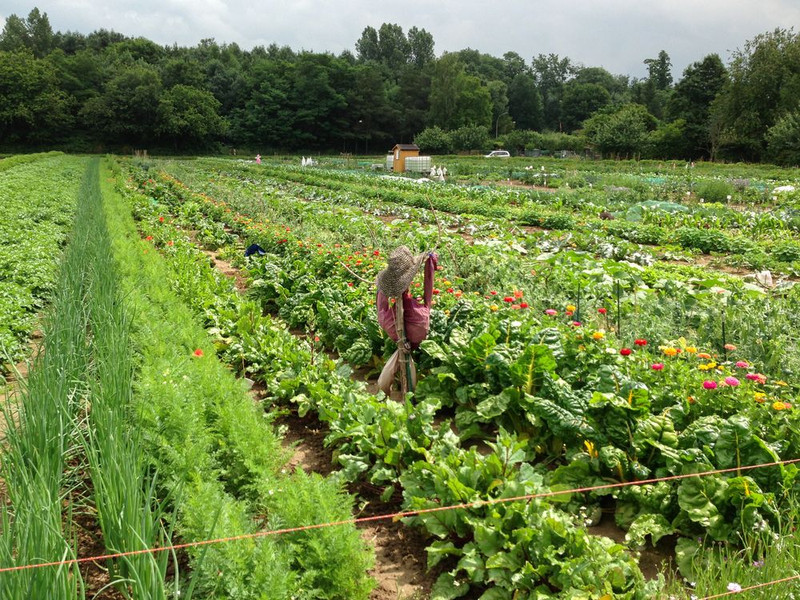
(392, 516)
(757, 586)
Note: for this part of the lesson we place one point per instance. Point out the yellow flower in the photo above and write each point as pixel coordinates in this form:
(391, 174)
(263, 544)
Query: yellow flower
(493, 307)
(671, 351)
(707, 366)
(691, 349)
(571, 307)
(759, 397)
(778, 405)
(781, 382)
(590, 450)
(598, 335)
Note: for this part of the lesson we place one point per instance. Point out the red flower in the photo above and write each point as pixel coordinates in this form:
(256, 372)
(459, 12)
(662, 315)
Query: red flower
(376, 253)
(523, 305)
(349, 284)
(602, 311)
(169, 243)
(160, 219)
(435, 291)
(508, 299)
(149, 238)
(640, 342)
(450, 290)
(198, 352)
(493, 293)
(625, 351)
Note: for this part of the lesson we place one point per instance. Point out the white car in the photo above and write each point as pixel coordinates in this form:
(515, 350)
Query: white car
(498, 154)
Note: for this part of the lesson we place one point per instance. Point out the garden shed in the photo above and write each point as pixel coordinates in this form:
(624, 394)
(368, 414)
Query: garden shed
(399, 154)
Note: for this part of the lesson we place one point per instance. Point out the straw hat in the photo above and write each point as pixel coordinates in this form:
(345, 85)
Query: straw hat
(395, 278)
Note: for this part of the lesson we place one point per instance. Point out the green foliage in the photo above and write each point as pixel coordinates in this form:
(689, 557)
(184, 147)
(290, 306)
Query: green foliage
(434, 140)
(714, 190)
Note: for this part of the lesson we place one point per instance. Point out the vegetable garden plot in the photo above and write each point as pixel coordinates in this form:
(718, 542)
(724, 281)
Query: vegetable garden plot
(584, 383)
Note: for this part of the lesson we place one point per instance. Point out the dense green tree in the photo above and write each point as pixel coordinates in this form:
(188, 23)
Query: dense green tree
(624, 132)
(471, 138)
(692, 100)
(764, 84)
(513, 65)
(421, 45)
(525, 102)
(434, 140)
(550, 73)
(580, 101)
(33, 108)
(457, 99)
(188, 117)
(33, 33)
(127, 110)
(498, 92)
(783, 140)
(411, 101)
(660, 70)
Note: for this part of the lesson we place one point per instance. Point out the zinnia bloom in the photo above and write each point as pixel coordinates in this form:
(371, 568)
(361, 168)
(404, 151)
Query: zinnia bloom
(571, 307)
(671, 351)
(730, 347)
(551, 312)
(493, 307)
(778, 405)
(518, 293)
(625, 351)
(742, 364)
(598, 335)
(657, 366)
(198, 352)
(732, 381)
(602, 311)
(704, 355)
(710, 384)
(523, 305)
(640, 342)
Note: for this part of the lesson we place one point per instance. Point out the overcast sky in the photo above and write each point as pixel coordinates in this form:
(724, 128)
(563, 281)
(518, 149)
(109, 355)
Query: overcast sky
(615, 34)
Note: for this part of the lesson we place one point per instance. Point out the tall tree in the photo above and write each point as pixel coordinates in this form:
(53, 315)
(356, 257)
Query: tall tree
(525, 103)
(33, 33)
(692, 99)
(660, 70)
(457, 99)
(34, 108)
(421, 43)
(580, 101)
(550, 73)
(764, 85)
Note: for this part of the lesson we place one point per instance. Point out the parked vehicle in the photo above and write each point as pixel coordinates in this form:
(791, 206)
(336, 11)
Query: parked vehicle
(498, 154)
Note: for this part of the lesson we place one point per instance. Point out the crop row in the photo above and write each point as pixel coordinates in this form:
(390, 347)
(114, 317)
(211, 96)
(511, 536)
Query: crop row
(38, 200)
(600, 411)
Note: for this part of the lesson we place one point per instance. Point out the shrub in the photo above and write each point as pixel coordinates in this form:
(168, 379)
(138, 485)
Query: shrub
(434, 140)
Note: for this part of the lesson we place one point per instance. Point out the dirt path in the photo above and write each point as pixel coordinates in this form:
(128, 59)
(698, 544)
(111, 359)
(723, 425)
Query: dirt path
(400, 559)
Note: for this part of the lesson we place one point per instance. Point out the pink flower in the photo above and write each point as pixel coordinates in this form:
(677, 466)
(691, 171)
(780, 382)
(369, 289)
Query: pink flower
(551, 312)
(732, 381)
(710, 384)
(576, 323)
(742, 364)
(657, 366)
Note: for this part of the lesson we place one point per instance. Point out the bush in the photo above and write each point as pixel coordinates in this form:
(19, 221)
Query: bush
(714, 190)
(434, 140)
(469, 138)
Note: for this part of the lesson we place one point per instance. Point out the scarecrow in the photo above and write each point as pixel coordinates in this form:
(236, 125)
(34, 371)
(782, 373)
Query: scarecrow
(404, 318)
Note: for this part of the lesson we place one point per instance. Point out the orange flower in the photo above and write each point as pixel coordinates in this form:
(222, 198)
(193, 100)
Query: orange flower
(198, 352)
(704, 355)
(670, 351)
(517, 293)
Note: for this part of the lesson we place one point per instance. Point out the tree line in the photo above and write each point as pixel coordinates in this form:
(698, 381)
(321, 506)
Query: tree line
(104, 91)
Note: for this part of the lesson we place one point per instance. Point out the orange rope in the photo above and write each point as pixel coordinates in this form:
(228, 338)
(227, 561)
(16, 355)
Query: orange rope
(393, 516)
